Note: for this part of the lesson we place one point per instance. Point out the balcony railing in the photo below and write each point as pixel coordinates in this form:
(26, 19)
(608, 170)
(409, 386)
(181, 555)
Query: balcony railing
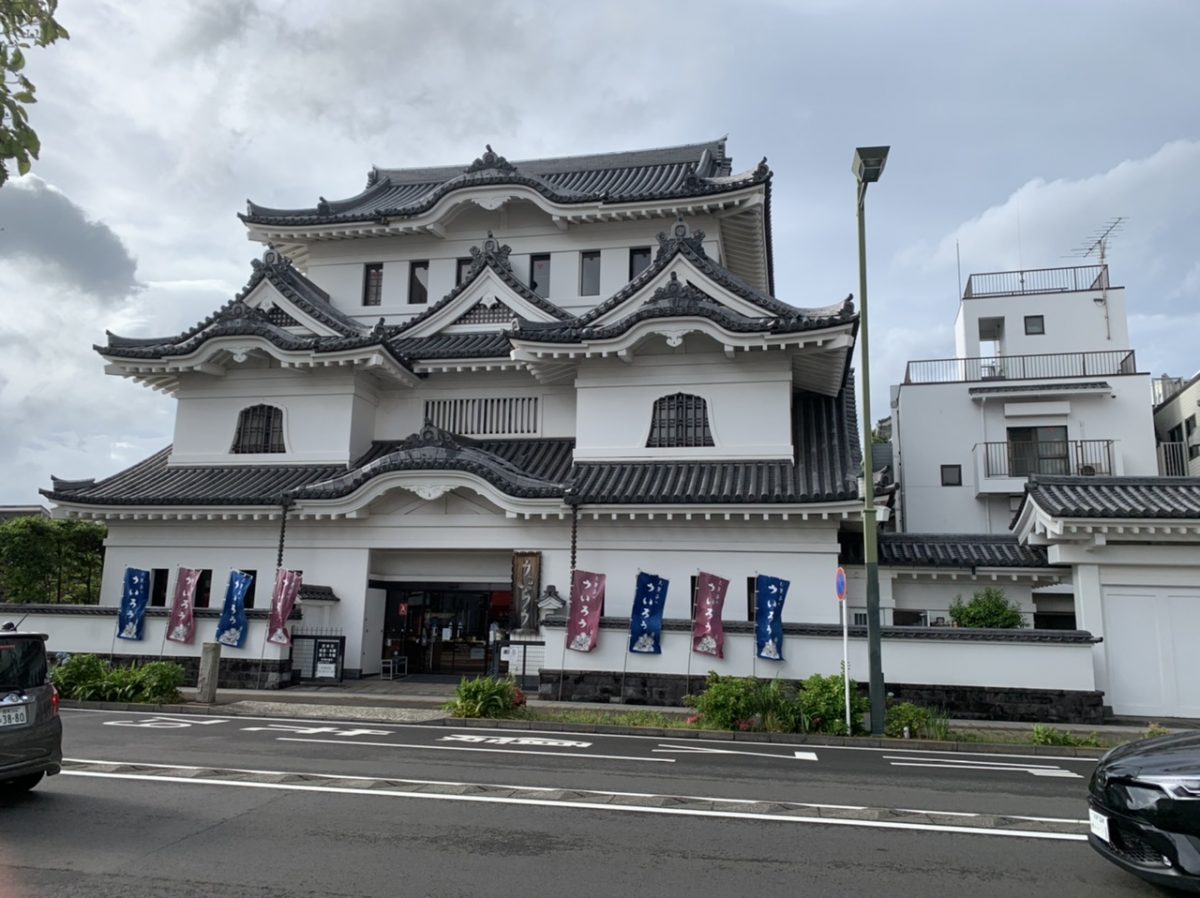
(921, 617)
(1037, 280)
(1173, 459)
(1020, 459)
(1021, 367)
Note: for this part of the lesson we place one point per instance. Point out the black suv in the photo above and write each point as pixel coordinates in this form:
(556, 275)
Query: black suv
(30, 728)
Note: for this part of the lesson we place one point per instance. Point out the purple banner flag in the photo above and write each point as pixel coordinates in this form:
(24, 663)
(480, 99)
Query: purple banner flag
(182, 626)
(587, 604)
(134, 599)
(645, 623)
(708, 633)
(287, 587)
(769, 593)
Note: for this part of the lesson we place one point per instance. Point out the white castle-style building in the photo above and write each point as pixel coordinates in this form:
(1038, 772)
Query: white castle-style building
(440, 397)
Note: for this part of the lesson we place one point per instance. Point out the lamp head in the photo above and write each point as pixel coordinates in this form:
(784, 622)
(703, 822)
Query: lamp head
(868, 163)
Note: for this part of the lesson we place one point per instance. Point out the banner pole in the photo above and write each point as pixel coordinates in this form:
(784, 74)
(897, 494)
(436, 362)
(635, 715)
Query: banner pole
(562, 664)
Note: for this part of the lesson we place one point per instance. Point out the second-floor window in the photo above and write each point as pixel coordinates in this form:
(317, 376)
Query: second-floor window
(539, 275)
(259, 429)
(461, 269)
(1038, 450)
(418, 283)
(679, 420)
(589, 274)
(373, 284)
(1035, 325)
(639, 260)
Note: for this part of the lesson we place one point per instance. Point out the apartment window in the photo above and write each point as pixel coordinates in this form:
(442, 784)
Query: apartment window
(1037, 450)
(158, 587)
(639, 260)
(1175, 434)
(589, 274)
(1035, 324)
(679, 420)
(951, 475)
(1189, 425)
(373, 284)
(539, 275)
(259, 429)
(203, 589)
(249, 600)
(418, 283)
(460, 275)
(1194, 450)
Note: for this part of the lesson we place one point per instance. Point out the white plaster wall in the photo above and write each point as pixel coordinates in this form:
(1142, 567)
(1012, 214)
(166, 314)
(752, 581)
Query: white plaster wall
(1074, 322)
(1175, 411)
(749, 402)
(916, 661)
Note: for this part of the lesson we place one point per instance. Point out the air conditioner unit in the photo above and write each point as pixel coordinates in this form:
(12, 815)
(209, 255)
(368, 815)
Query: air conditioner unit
(1087, 470)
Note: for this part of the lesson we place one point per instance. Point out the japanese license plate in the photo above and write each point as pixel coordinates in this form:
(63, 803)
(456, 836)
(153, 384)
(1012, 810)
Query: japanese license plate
(1099, 824)
(12, 716)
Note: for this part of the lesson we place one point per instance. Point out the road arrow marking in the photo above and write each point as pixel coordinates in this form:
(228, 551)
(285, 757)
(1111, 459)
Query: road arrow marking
(700, 750)
(954, 764)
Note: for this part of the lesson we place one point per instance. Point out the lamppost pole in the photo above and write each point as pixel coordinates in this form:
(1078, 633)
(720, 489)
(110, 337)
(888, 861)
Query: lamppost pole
(867, 167)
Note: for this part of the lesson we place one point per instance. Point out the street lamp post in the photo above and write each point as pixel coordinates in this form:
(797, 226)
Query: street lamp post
(867, 167)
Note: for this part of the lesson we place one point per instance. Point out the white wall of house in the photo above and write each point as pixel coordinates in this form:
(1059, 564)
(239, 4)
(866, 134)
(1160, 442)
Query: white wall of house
(1182, 411)
(1084, 321)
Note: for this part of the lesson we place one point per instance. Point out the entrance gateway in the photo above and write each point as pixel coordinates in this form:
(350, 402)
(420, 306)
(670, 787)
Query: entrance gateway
(443, 628)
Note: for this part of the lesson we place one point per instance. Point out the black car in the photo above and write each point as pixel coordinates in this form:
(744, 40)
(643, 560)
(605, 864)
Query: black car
(30, 728)
(1144, 809)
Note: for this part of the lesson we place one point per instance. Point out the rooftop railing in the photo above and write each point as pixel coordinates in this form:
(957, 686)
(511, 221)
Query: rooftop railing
(1037, 280)
(1109, 362)
(1172, 459)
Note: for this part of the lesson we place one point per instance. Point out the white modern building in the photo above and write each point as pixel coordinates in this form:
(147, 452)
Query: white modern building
(1177, 405)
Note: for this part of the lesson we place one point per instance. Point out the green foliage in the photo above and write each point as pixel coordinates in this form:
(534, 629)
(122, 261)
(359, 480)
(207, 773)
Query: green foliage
(655, 719)
(746, 703)
(1044, 735)
(921, 722)
(90, 678)
(23, 24)
(990, 608)
(1155, 730)
(55, 561)
(486, 697)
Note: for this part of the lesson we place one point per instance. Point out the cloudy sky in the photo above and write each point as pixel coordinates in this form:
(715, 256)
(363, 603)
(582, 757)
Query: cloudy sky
(1018, 128)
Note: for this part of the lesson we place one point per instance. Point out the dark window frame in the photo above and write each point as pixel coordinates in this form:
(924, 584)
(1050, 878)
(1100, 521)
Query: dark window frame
(372, 294)
(634, 253)
(542, 290)
(203, 595)
(158, 586)
(461, 267)
(1038, 322)
(1031, 450)
(952, 475)
(415, 287)
(1189, 425)
(679, 420)
(248, 601)
(591, 255)
(259, 431)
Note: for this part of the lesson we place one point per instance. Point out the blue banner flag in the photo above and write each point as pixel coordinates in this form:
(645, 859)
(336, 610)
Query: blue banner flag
(231, 629)
(769, 593)
(645, 623)
(130, 625)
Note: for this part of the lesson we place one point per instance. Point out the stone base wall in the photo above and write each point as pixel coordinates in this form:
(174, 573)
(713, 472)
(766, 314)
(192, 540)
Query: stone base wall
(961, 702)
(235, 673)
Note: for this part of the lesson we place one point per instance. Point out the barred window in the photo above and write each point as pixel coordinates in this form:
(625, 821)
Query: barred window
(373, 284)
(259, 429)
(680, 420)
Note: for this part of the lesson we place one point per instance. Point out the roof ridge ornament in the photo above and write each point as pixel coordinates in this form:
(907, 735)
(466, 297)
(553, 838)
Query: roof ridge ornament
(680, 237)
(492, 252)
(490, 161)
(762, 170)
(272, 260)
(676, 292)
(430, 435)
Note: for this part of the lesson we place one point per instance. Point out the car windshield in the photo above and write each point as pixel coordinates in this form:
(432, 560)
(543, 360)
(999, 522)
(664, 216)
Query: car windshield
(22, 663)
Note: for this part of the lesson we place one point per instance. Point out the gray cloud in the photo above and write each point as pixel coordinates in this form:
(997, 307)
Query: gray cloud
(41, 224)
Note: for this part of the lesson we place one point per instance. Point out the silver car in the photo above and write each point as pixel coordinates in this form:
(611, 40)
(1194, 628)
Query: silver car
(30, 728)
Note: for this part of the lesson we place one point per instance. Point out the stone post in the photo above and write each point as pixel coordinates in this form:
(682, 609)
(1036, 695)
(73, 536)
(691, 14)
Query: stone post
(210, 666)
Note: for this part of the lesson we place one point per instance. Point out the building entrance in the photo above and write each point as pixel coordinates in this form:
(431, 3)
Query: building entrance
(445, 628)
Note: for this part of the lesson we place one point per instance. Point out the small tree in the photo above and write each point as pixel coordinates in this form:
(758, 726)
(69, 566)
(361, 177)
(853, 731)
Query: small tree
(990, 608)
(57, 561)
(23, 24)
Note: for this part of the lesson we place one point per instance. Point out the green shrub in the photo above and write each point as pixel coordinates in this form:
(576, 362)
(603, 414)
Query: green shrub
(160, 682)
(485, 697)
(1044, 735)
(989, 608)
(1156, 729)
(80, 677)
(746, 703)
(90, 678)
(822, 705)
(921, 722)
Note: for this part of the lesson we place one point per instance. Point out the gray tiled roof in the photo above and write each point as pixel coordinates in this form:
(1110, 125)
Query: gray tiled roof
(671, 172)
(1115, 497)
(1041, 388)
(453, 346)
(953, 550)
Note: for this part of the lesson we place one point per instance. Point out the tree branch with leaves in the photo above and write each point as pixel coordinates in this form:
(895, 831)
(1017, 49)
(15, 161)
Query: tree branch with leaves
(23, 24)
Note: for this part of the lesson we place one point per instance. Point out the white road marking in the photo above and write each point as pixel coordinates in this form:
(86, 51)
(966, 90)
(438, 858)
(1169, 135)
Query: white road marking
(315, 731)
(163, 723)
(953, 761)
(1036, 771)
(502, 751)
(509, 740)
(700, 750)
(594, 806)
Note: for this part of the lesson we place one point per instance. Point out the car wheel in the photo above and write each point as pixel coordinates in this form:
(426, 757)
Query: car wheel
(19, 784)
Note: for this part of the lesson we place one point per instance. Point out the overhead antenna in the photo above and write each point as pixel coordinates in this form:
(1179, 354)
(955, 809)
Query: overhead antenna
(1097, 245)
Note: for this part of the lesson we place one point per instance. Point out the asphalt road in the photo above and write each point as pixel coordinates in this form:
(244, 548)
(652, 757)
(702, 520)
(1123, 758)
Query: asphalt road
(156, 805)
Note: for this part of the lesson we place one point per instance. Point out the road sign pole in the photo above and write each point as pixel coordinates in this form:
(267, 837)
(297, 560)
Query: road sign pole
(839, 587)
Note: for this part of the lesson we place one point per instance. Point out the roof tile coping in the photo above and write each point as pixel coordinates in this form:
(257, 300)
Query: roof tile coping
(1114, 496)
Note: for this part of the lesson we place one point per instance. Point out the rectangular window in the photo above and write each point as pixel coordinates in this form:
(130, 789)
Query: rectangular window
(373, 284)
(639, 260)
(589, 274)
(751, 605)
(418, 283)
(1194, 450)
(860, 619)
(249, 602)
(539, 275)
(463, 265)
(203, 589)
(1035, 324)
(1037, 450)
(951, 475)
(158, 587)
(1189, 424)
(1175, 434)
